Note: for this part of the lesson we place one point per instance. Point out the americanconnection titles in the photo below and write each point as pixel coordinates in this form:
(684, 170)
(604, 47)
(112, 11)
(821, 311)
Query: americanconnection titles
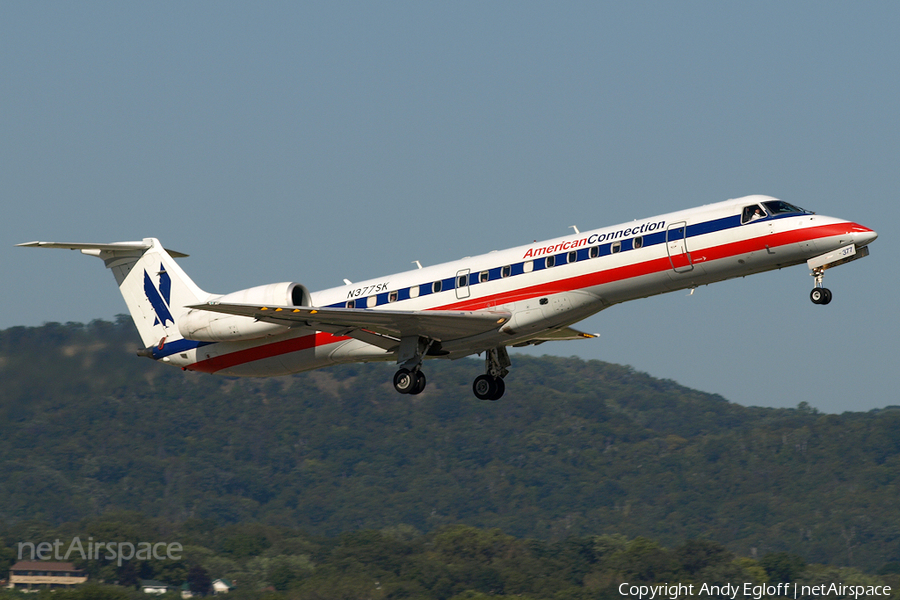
(595, 238)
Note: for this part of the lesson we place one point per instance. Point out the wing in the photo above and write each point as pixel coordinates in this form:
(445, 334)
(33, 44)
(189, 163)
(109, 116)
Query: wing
(383, 328)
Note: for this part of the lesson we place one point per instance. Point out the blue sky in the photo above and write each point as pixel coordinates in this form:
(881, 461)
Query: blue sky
(317, 141)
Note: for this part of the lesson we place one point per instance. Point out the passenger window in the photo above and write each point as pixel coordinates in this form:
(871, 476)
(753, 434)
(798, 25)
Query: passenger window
(372, 301)
(595, 251)
(550, 261)
(414, 291)
(616, 247)
(638, 242)
(436, 287)
(484, 276)
(392, 297)
(754, 212)
(573, 256)
(506, 271)
(528, 266)
(462, 281)
(351, 303)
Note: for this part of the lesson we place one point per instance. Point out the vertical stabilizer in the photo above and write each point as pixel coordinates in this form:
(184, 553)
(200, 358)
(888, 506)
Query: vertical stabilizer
(154, 286)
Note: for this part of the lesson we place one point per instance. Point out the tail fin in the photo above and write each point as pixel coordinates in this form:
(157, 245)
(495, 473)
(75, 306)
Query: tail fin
(155, 288)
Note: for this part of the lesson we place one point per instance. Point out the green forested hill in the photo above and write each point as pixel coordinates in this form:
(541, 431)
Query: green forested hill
(575, 448)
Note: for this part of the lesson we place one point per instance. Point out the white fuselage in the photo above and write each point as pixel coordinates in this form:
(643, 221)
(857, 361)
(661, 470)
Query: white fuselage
(586, 273)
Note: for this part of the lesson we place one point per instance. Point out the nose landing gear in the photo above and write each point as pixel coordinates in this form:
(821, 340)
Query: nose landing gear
(820, 294)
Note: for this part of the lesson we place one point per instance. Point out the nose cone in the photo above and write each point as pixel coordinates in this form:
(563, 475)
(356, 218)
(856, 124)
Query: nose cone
(862, 235)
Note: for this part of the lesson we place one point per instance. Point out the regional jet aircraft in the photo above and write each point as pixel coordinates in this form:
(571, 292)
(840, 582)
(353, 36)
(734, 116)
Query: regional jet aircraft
(482, 304)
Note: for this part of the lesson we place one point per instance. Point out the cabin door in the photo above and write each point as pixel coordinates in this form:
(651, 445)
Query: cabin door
(462, 284)
(676, 246)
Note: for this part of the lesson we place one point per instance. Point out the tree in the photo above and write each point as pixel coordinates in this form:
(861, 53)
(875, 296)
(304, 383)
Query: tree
(198, 580)
(782, 567)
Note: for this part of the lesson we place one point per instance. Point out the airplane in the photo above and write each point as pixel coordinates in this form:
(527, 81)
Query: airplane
(522, 296)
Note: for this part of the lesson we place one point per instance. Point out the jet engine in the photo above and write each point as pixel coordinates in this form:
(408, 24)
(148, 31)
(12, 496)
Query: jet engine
(205, 326)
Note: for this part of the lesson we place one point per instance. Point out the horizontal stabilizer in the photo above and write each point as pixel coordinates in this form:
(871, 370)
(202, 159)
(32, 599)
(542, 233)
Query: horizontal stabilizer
(155, 288)
(433, 324)
(113, 247)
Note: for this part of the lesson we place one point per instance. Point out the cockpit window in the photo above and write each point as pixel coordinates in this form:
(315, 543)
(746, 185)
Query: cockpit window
(777, 207)
(754, 212)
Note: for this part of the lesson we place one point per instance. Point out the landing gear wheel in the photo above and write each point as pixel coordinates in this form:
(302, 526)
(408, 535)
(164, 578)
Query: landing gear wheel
(820, 295)
(501, 388)
(486, 387)
(420, 383)
(405, 381)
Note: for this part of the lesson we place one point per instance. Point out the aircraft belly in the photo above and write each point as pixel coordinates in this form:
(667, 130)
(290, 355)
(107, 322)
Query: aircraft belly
(304, 360)
(265, 367)
(767, 258)
(299, 350)
(531, 317)
(681, 279)
(358, 351)
(642, 286)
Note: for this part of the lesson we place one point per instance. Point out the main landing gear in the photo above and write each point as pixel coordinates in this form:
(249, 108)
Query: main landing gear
(820, 294)
(409, 379)
(409, 382)
(487, 387)
(490, 386)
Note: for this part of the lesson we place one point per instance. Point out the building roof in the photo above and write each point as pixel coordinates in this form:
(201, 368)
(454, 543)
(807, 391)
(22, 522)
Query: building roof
(40, 565)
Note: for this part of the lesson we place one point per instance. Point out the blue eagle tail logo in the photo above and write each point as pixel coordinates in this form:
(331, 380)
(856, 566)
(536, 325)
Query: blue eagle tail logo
(160, 298)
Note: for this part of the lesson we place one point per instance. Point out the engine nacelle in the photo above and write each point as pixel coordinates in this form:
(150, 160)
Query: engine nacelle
(206, 326)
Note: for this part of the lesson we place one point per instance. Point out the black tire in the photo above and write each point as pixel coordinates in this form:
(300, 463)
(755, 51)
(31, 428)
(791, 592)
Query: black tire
(826, 299)
(404, 381)
(484, 387)
(420, 383)
(816, 295)
(501, 388)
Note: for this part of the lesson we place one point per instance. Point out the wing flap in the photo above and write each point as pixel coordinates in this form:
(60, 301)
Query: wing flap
(557, 335)
(566, 333)
(434, 324)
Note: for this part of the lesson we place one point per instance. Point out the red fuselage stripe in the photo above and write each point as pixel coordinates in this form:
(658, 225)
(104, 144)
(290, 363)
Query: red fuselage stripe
(657, 265)
(699, 256)
(233, 359)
